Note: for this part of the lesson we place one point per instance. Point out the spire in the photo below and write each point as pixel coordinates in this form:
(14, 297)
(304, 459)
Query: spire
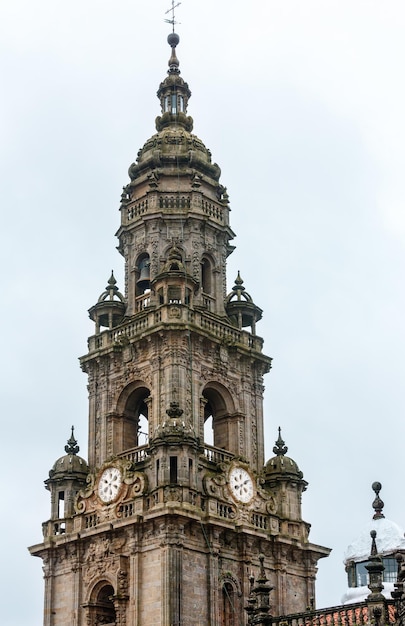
(280, 449)
(378, 504)
(72, 447)
(174, 93)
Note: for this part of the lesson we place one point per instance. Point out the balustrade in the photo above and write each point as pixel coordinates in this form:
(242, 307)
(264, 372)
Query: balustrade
(345, 615)
(217, 455)
(135, 455)
(147, 317)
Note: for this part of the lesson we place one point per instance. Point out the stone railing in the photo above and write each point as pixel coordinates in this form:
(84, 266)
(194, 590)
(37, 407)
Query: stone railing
(146, 319)
(345, 615)
(135, 455)
(217, 455)
(154, 202)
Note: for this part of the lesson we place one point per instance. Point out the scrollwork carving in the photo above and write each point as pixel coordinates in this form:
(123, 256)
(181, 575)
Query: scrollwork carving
(214, 485)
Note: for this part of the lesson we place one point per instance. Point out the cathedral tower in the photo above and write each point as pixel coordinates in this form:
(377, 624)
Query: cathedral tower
(165, 524)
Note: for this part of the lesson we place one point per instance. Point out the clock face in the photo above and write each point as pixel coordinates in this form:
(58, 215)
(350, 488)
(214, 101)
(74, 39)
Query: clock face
(241, 485)
(109, 484)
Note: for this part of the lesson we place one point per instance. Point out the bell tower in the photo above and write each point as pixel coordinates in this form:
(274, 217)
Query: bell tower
(169, 518)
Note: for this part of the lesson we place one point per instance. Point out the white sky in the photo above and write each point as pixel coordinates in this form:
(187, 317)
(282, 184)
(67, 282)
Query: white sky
(302, 105)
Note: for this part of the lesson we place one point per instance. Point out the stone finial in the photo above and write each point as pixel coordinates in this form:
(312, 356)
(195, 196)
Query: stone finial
(280, 449)
(111, 281)
(173, 39)
(373, 535)
(258, 608)
(375, 569)
(378, 504)
(72, 447)
(239, 282)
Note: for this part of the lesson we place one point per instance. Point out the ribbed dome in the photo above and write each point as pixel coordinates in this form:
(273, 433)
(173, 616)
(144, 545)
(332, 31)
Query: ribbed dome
(70, 465)
(171, 147)
(281, 465)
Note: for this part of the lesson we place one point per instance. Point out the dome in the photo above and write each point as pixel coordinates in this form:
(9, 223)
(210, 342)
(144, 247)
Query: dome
(388, 540)
(171, 147)
(69, 465)
(282, 465)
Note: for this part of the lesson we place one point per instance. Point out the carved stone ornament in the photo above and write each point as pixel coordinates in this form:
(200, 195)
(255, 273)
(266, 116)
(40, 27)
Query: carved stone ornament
(132, 484)
(214, 485)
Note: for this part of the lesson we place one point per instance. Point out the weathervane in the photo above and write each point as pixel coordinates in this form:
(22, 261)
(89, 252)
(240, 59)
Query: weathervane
(172, 21)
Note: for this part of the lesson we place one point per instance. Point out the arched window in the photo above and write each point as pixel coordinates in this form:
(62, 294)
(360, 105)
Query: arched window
(228, 605)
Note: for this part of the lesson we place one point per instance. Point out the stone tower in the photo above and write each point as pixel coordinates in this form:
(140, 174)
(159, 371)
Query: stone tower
(165, 524)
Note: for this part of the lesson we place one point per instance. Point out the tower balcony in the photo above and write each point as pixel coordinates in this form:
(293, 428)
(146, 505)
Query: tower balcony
(173, 314)
(184, 202)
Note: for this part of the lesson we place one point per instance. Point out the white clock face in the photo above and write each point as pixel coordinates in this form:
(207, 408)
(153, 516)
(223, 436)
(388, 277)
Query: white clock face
(241, 485)
(109, 484)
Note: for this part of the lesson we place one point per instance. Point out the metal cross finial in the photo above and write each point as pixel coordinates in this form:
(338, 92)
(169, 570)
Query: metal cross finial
(172, 21)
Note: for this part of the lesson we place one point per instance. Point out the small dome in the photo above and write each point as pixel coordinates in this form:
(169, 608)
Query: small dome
(390, 539)
(387, 540)
(281, 465)
(67, 465)
(70, 464)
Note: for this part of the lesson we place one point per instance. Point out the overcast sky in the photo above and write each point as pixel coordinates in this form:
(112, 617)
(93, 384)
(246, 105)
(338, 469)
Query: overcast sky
(302, 105)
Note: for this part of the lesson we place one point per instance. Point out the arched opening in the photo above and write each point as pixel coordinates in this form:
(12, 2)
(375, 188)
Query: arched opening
(142, 275)
(220, 429)
(135, 416)
(103, 607)
(206, 276)
(228, 605)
